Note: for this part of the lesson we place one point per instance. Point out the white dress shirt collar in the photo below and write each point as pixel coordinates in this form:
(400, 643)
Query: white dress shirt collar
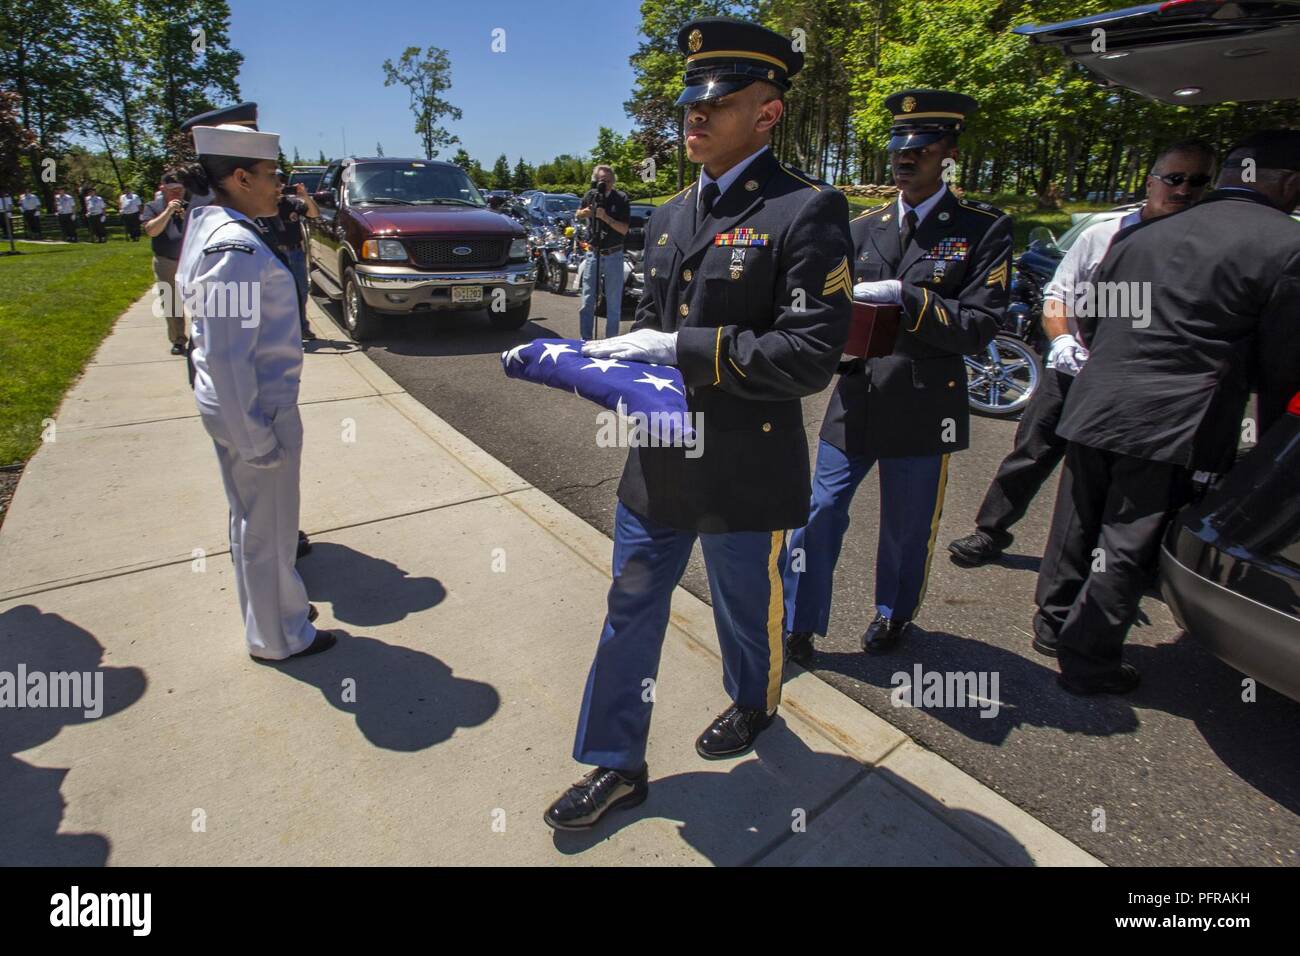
(730, 176)
(924, 209)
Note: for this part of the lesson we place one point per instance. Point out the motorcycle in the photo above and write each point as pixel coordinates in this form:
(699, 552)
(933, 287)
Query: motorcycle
(1002, 379)
(551, 251)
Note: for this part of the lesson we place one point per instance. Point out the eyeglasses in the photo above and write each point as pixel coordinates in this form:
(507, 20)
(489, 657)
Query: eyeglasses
(1177, 179)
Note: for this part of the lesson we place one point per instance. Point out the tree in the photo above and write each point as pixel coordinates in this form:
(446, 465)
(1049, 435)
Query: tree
(379, 148)
(501, 173)
(472, 166)
(322, 161)
(297, 160)
(426, 77)
(657, 68)
(523, 176)
(188, 62)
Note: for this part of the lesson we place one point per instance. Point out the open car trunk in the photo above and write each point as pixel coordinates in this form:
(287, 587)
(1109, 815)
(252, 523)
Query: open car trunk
(1187, 52)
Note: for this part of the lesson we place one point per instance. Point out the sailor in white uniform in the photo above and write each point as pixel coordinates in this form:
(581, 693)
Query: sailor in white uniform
(242, 304)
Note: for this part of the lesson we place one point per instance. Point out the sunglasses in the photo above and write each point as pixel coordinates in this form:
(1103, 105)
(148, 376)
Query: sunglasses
(1177, 179)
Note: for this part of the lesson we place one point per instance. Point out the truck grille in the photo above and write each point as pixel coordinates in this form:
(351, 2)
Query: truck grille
(438, 254)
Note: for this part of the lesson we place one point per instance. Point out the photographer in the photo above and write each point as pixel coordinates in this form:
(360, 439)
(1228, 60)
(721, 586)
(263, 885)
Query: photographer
(284, 234)
(164, 223)
(612, 213)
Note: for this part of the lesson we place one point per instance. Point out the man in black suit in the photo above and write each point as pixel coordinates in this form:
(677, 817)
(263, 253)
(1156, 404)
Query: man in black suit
(748, 294)
(1189, 312)
(946, 262)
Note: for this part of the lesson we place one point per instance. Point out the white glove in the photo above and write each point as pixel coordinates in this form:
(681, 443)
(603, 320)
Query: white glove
(1066, 354)
(272, 459)
(643, 345)
(884, 292)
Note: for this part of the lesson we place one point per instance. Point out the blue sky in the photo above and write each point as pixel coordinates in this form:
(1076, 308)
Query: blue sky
(315, 71)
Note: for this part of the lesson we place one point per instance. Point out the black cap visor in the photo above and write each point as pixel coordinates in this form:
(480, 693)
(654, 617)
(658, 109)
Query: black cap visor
(712, 88)
(915, 139)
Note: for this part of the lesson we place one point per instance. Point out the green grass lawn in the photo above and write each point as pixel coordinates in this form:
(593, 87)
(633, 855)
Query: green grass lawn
(1021, 208)
(57, 302)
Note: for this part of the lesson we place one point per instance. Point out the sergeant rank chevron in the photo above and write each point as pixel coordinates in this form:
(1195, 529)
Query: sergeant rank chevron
(839, 280)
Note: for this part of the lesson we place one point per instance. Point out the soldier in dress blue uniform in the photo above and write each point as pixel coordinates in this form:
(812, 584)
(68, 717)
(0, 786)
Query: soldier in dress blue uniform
(748, 294)
(946, 263)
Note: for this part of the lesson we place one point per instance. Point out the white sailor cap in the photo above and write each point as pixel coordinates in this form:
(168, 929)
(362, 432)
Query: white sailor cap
(240, 141)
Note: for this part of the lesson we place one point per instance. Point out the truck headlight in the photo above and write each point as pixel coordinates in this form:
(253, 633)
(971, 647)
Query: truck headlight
(382, 249)
(518, 250)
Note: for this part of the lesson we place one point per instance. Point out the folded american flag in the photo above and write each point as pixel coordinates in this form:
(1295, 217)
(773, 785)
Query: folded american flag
(629, 388)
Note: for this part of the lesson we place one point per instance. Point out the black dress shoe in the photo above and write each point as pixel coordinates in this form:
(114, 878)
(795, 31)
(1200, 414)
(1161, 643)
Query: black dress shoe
(178, 349)
(799, 648)
(308, 335)
(304, 545)
(883, 634)
(1046, 644)
(1122, 680)
(323, 641)
(732, 732)
(312, 613)
(975, 549)
(600, 791)
(1045, 639)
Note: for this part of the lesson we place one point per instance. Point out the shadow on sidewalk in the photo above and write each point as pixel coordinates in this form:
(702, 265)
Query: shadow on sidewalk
(31, 807)
(364, 590)
(402, 698)
(733, 819)
(1027, 692)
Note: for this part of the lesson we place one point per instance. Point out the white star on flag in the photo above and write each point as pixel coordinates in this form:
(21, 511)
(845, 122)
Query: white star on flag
(605, 364)
(555, 350)
(513, 354)
(659, 383)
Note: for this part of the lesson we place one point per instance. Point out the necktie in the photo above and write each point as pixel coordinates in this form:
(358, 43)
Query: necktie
(909, 227)
(708, 196)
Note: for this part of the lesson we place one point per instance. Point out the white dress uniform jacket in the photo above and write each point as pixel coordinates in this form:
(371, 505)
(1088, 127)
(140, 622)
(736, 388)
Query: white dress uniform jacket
(128, 203)
(64, 204)
(94, 205)
(31, 202)
(242, 305)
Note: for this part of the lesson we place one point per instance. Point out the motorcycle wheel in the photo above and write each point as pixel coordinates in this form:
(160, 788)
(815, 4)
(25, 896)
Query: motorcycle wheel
(557, 277)
(1002, 379)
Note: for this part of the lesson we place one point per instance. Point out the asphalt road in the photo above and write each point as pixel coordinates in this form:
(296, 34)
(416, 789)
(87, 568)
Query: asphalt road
(1183, 772)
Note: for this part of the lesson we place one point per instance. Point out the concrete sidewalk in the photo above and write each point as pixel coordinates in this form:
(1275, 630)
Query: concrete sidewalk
(441, 727)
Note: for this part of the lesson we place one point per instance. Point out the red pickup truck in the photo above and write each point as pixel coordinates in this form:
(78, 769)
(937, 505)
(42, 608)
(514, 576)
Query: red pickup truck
(400, 236)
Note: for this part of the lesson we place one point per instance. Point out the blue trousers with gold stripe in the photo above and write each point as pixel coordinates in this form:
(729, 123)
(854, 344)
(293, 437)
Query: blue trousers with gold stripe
(745, 582)
(911, 500)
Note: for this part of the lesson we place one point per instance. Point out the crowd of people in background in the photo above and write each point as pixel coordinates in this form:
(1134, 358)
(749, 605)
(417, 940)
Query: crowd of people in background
(83, 209)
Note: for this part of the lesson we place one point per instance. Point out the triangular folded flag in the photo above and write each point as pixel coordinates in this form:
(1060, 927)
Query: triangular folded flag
(634, 389)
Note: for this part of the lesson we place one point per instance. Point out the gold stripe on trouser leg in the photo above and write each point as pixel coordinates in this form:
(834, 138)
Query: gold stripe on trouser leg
(934, 531)
(775, 622)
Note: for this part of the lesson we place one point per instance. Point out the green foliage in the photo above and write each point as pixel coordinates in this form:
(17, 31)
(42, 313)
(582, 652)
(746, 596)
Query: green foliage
(522, 177)
(501, 173)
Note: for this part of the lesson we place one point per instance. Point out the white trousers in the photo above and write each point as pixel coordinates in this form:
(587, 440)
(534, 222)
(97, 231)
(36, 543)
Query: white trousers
(264, 539)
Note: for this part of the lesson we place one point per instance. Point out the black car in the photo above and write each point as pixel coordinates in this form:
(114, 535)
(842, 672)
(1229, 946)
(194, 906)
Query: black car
(1230, 564)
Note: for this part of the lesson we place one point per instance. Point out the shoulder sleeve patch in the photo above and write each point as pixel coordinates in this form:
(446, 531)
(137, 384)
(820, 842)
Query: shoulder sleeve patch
(229, 245)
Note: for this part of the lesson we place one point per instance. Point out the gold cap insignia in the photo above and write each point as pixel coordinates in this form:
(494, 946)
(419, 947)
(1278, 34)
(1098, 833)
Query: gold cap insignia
(771, 74)
(909, 103)
(751, 185)
(695, 41)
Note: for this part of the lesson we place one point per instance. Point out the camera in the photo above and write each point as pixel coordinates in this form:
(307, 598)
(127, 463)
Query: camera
(600, 188)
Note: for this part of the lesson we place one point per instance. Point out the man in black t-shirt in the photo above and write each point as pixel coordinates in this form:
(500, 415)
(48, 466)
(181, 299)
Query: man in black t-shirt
(612, 213)
(284, 232)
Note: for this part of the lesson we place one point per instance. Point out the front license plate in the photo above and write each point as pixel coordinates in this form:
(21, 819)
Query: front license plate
(467, 293)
